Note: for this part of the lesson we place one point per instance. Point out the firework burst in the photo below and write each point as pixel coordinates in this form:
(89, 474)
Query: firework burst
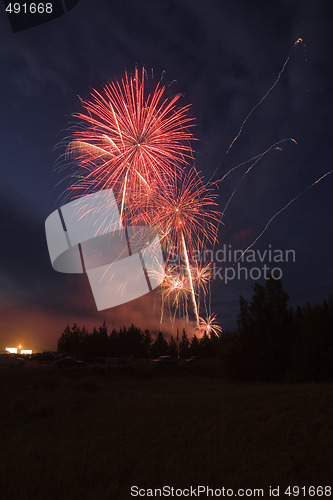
(209, 326)
(175, 291)
(130, 141)
(138, 144)
(202, 277)
(184, 215)
(183, 211)
(175, 284)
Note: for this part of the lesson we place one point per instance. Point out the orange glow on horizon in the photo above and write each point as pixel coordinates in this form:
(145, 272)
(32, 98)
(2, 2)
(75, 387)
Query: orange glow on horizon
(18, 350)
(11, 350)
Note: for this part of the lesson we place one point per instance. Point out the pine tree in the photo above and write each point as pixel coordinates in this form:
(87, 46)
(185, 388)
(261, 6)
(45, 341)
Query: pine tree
(147, 343)
(71, 341)
(173, 348)
(160, 346)
(265, 330)
(194, 347)
(184, 345)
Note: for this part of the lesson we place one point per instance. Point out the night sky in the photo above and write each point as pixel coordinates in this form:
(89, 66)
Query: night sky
(222, 57)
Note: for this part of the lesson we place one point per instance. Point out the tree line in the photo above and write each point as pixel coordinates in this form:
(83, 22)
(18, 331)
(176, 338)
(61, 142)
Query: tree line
(130, 342)
(273, 342)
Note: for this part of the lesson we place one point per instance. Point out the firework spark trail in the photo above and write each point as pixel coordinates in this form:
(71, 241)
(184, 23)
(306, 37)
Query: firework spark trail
(255, 159)
(201, 278)
(279, 212)
(299, 40)
(282, 210)
(189, 272)
(123, 197)
(273, 147)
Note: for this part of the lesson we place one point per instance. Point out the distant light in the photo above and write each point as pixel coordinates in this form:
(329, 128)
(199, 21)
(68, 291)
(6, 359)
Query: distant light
(11, 350)
(19, 346)
(26, 351)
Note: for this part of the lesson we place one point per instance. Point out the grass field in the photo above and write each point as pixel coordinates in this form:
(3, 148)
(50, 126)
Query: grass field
(92, 433)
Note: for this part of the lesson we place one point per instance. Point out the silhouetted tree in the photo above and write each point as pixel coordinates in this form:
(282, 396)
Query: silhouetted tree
(71, 340)
(184, 345)
(134, 345)
(147, 343)
(204, 346)
(64, 340)
(194, 347)
(113, 348)
(98, 342)
(313, 351)
(160, 346)
(265, 327)
(172, 347)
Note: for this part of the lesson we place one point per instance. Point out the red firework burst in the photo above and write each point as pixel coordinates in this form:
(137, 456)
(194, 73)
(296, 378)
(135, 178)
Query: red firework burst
(184, 214)
(128, 141)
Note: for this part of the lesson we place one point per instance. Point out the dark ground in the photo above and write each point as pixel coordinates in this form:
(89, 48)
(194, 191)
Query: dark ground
(91, 433)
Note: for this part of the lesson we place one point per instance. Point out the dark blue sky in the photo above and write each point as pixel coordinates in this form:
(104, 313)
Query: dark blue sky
(223, 57)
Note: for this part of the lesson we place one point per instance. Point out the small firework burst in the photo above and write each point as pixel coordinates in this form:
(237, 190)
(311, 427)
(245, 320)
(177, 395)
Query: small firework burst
(175, 283)
(209, 326)
(202, 277)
